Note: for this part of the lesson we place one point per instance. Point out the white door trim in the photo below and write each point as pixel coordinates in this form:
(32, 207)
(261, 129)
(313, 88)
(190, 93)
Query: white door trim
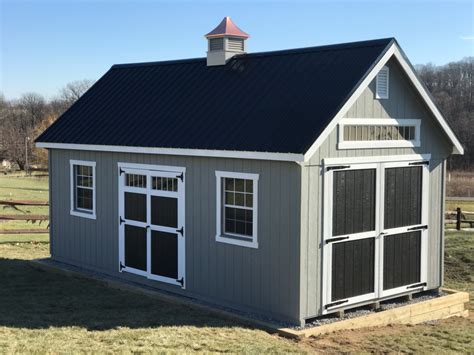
(150, 171)
(378, 163)
(328, 235)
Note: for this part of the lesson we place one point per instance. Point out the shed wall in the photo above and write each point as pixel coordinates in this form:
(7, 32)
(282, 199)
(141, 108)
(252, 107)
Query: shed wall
(264, 280)
(403, 102)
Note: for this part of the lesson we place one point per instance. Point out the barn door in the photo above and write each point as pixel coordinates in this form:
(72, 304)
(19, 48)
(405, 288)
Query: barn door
(350, 235)
(404, 227)
(375, 231)
(151, 224)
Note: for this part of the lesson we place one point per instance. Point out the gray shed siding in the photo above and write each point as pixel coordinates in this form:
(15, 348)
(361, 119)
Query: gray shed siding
(264, 280)
(403, 102)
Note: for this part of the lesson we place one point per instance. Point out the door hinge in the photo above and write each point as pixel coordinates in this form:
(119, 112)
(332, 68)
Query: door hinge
(335, 304)
(417, 285)
(121, 171)
(337, 167)
(417, 228)
(121, 220)
(180, 281)
(121, 266)
(336, 239)
(181, 176)
(180, 231)
(424, 162)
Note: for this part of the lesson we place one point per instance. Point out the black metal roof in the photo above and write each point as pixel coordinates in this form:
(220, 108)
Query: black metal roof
(266, 102)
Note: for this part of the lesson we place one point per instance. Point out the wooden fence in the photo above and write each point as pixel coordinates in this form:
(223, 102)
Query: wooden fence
(459, 217)
(24, 217)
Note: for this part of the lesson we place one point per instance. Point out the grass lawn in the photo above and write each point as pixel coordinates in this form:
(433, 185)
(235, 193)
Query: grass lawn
(47, 312)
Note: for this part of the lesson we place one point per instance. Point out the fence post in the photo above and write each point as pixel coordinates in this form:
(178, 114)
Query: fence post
(458, 218)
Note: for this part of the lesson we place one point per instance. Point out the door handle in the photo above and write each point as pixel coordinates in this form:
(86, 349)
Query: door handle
(336, 239)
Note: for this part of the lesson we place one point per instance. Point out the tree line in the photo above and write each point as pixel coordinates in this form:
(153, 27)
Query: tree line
(22, 120)
(452, 88)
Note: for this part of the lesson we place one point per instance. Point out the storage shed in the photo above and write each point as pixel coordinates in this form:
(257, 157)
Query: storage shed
(290, 184)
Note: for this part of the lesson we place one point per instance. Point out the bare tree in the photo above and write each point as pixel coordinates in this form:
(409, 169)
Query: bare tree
(74, 90)
(452, 87)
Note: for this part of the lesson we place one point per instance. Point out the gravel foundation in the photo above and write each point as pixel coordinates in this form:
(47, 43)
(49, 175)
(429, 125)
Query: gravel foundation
(365, 310)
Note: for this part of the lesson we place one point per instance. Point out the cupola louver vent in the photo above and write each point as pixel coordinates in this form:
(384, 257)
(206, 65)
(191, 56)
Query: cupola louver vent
(236, 44)
(216, 44)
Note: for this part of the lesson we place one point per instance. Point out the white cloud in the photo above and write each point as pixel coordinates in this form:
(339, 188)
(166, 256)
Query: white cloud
(467, 38)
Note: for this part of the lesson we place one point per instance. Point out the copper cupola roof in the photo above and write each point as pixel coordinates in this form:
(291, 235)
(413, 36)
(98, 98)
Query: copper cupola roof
(227, 28)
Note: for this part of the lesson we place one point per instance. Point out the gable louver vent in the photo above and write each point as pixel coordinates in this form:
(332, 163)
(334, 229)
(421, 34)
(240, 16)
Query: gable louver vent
(382, 84)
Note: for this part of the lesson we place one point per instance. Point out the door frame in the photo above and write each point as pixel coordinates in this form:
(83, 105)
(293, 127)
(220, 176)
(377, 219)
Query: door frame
(357, 163)
(152, 170)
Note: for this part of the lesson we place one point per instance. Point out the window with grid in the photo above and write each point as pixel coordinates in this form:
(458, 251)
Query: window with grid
(237, 213)
(83, 188)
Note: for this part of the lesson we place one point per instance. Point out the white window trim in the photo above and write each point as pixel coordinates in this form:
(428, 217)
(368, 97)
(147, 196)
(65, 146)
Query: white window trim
(342, 144)
(227, 237)
(377, 94)
(82, 212)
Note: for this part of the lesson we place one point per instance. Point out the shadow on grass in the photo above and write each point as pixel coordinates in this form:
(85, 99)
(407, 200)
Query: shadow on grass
(34, 299)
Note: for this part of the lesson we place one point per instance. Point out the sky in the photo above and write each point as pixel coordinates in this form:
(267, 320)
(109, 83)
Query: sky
(46, 44)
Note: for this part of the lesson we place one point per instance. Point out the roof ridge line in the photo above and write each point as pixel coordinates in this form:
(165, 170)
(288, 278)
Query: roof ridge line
(326, 47)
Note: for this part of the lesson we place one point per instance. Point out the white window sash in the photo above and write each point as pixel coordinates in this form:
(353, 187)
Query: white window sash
(78, 211)
(240, 240)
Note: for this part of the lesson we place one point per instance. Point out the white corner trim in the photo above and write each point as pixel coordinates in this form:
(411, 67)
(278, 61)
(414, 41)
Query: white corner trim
(220, 235)
(293, 157)
(73, 210)
(343, 144)
(394, 50)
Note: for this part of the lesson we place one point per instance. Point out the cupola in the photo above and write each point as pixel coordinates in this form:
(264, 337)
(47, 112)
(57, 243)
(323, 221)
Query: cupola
(225, 41)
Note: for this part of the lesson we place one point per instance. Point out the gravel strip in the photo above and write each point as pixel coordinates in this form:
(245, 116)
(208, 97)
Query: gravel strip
(365, 310)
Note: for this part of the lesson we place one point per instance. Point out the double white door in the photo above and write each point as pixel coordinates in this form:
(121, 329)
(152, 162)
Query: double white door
(375, 232)
(151, 223)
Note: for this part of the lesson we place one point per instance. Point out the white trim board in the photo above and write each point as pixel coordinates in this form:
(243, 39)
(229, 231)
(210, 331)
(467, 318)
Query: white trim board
(293, 157)
(376, 159)
(395, 51)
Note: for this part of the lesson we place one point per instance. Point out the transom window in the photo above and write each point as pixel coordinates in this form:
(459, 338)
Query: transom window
(83, 188)
(378, 133)
(164, 183)
(237, 208)
(135, 180)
